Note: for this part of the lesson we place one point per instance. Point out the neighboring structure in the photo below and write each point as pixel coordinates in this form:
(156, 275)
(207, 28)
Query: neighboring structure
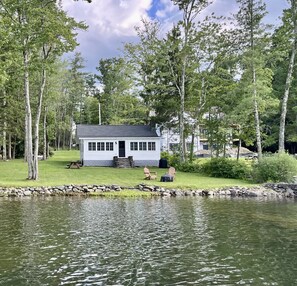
(170, 140)
(102, 145)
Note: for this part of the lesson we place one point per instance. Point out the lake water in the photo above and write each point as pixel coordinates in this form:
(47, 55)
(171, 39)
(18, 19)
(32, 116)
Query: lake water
(158, 241)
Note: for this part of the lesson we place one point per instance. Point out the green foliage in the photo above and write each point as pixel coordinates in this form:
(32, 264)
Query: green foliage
(188, 167)
(119, 102)
(173, 160)
(276, 168)
(90, 110)
(226, 168)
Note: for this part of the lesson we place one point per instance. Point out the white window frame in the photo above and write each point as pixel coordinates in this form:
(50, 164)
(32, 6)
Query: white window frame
(134, 146)
(91, 146)
(142, 146)
(151, 146)
(100, 146)
(109, 146)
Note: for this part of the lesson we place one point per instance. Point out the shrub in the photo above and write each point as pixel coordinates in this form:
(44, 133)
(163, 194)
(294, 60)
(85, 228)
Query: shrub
(189, 167)
(173, 160)
(226, 168)
(276, 168)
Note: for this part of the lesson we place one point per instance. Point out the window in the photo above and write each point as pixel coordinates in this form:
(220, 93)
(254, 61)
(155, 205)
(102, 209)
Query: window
(109, 146)
(142, 146)
(151, 146)
(133, 146)
(92, 146)
(100, 146)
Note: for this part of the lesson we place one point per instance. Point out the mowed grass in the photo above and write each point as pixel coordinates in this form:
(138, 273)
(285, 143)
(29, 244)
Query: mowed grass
(53, 172)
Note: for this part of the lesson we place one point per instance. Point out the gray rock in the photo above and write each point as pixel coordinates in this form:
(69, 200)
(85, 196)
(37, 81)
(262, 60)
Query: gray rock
(165, 194)
(27, 193)
(289, 193)
(148, 188)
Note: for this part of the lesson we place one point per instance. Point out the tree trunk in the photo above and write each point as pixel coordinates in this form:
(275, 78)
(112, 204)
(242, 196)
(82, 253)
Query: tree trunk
(254, 81)
(192, 144)
(47, 150)
(181, 131)
(56, 133)
(44, 135)
(224, 146)
(282, 126)
(70, 135)
(256, 115)
(197, 116)
(9, 154)
(58, 140)
(14, 148)
(4, 143)
(28, 120)
(238, 149)
(63, 143)
(36, 127)
(4, 139)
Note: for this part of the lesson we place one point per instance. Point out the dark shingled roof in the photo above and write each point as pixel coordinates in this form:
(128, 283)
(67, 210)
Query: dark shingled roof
(95, 131)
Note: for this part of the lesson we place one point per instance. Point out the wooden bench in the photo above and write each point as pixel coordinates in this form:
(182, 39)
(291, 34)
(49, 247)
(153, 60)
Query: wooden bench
(74, 165)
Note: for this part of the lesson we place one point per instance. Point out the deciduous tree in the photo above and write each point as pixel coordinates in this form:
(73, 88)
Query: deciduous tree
(253, 41)
(284, 103)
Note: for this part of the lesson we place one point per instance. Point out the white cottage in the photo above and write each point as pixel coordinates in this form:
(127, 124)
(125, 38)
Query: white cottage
(102, 145)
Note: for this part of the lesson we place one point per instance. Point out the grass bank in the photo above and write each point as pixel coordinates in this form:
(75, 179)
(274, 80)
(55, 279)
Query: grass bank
(53, 172)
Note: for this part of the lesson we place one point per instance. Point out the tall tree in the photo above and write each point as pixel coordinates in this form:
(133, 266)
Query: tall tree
(190, 10)
(118, 100)
(291, 65)
(91, 105)
(252, 38)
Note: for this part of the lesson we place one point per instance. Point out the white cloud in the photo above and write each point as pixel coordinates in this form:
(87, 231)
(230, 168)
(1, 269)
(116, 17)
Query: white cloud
(109, 17)
(111, 22)
(167, 9)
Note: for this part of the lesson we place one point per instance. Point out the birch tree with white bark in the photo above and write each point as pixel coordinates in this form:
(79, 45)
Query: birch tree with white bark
(289, 77)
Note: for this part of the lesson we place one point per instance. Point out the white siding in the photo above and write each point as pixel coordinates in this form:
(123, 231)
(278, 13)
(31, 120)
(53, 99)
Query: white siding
(148, 155)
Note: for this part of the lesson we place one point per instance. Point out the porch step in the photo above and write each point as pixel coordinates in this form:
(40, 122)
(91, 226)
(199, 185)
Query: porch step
(123, 162)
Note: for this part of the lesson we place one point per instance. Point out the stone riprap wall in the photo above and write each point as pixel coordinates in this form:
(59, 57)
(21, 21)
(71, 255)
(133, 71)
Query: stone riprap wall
(280, 190)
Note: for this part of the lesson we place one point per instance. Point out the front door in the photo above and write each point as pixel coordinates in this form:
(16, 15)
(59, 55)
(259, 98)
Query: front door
(122, 151)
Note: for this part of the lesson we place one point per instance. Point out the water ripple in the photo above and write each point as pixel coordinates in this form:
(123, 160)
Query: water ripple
(184, 241)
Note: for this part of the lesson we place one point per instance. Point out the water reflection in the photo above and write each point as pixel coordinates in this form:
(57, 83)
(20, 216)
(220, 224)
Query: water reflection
(182, 241)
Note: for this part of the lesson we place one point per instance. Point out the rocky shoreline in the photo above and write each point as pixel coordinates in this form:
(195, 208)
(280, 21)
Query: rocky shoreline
(280, 190)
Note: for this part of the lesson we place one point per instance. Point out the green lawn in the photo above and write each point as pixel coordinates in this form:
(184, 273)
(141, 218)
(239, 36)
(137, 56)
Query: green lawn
(53, 172)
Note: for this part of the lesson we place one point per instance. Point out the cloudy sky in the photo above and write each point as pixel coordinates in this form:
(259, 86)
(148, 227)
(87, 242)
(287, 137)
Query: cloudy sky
(111, 22)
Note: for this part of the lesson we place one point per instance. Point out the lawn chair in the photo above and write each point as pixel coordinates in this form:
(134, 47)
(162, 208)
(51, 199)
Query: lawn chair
(169, 176)
(171, 172)
(149, 175)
